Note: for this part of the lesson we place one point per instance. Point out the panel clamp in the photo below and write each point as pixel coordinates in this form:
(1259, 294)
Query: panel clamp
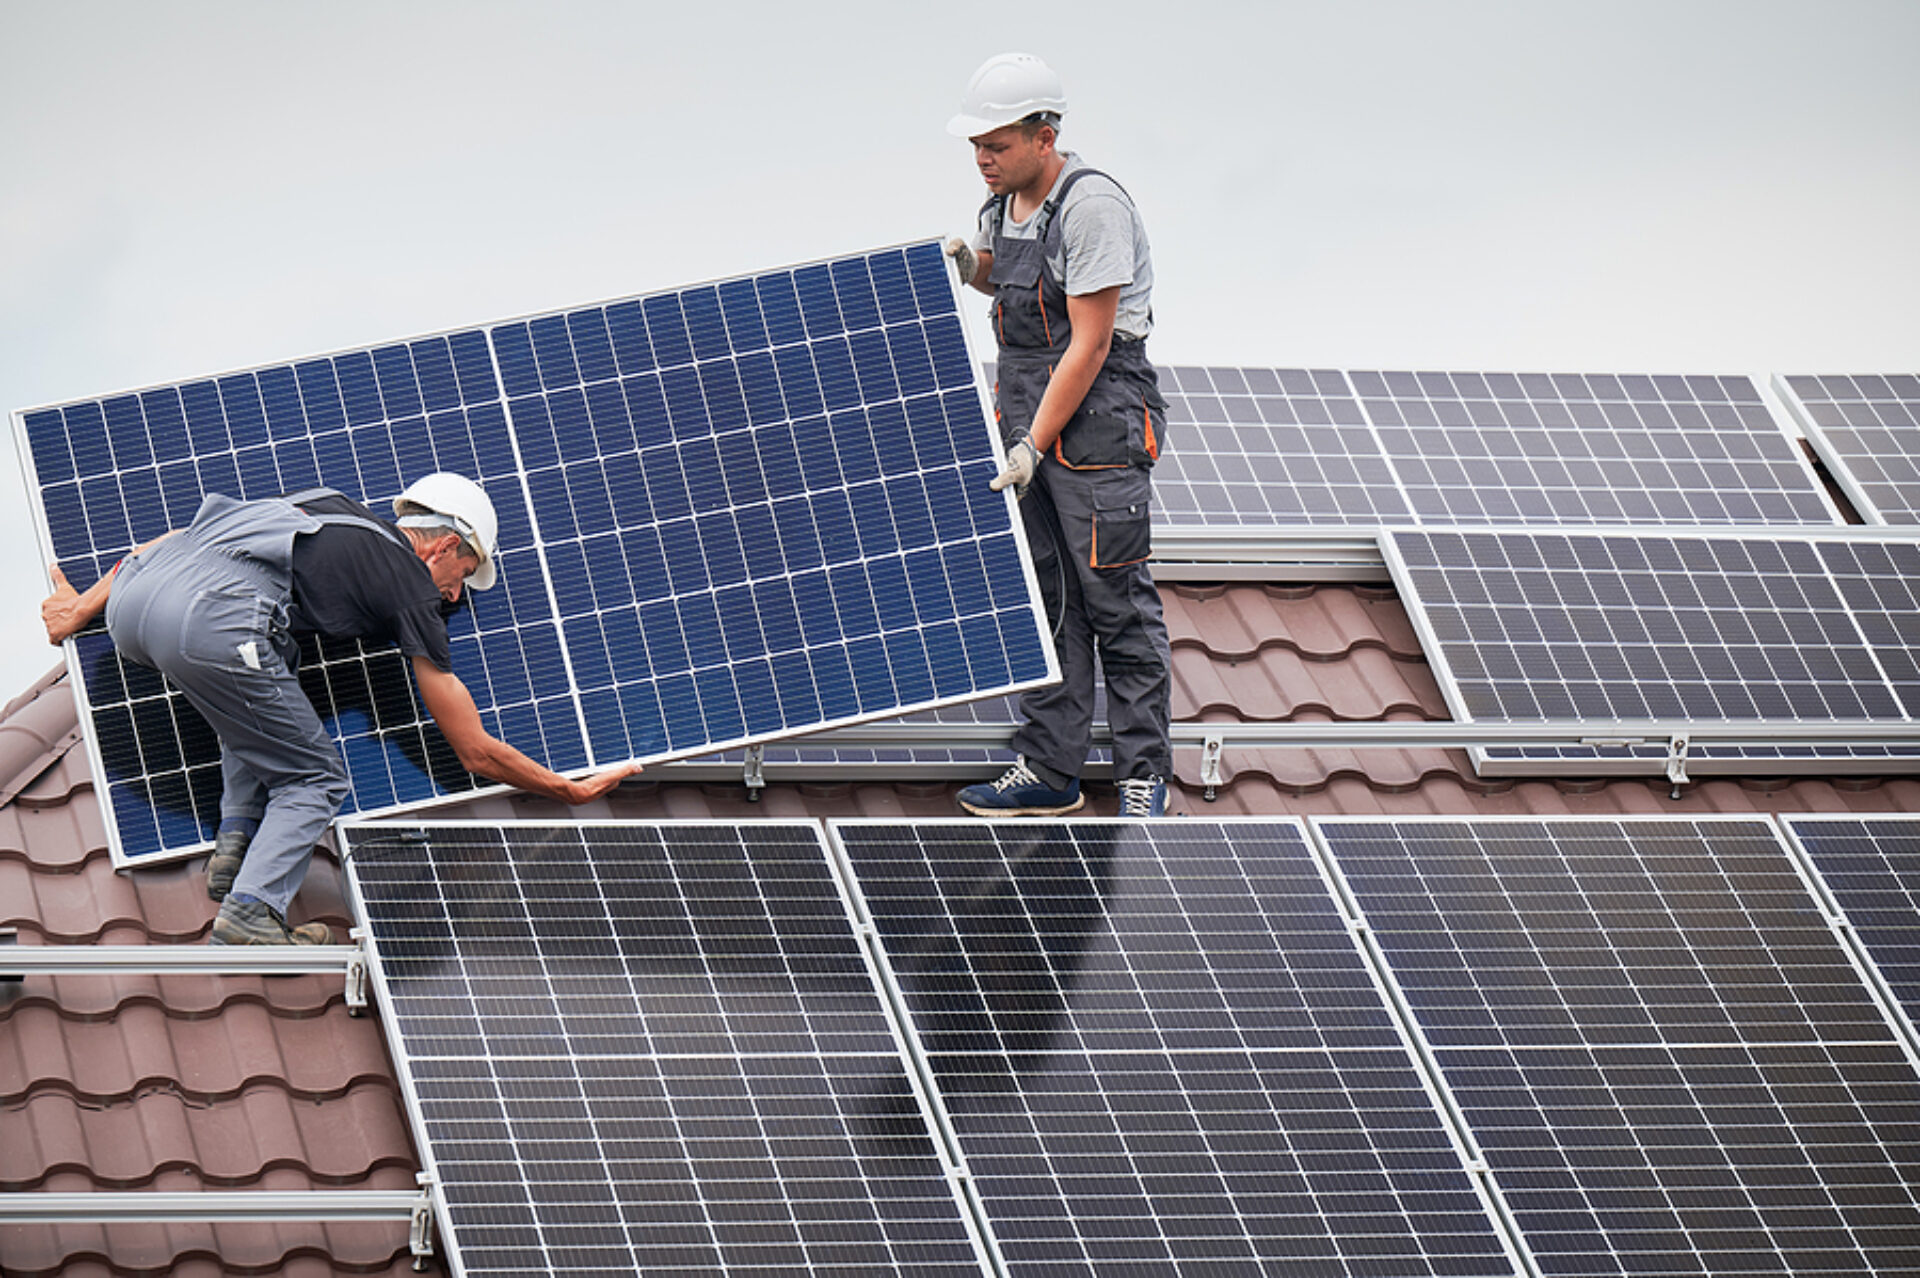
(356, 974)
(420, 1224)
(1676, 764)
(1211, 751)
(752, 771)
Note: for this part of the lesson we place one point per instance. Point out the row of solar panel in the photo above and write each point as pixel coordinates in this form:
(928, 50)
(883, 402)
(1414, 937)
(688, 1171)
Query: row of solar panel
(1345, 1046)
(728, 513)
(1327, 448)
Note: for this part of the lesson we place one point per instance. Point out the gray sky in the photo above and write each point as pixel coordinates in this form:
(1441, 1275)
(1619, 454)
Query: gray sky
(1609, 186)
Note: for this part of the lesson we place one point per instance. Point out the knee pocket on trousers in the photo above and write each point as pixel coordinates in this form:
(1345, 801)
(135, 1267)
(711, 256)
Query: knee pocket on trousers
(1122, 534)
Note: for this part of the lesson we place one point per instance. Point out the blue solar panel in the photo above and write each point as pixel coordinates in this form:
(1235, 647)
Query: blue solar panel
(1668, 1060)
(729, 513)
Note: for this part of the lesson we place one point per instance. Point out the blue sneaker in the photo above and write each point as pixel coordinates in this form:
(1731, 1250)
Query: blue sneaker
(1143, 797)
(1018, 792)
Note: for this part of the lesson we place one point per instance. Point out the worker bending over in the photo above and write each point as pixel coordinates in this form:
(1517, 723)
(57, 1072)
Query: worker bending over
(215, 607)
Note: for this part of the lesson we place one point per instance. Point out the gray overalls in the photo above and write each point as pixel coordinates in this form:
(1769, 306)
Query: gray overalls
(1088, 517)
(208, 608)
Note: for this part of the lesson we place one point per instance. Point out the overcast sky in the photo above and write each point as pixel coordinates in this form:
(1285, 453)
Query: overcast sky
(1608, 186)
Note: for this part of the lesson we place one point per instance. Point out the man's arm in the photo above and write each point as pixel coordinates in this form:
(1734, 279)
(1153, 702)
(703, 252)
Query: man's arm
(66, 612)
(451, 706)
(1091, 317)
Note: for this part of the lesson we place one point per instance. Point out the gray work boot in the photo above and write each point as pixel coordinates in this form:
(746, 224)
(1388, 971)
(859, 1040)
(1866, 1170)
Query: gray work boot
(257, 923)
(224, 865)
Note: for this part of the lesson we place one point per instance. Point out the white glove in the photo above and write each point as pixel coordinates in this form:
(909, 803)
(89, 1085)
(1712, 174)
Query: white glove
(964, 258)
(1022, 460)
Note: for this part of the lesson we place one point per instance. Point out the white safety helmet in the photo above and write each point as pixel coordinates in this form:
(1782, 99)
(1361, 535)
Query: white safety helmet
(1006, 89)
(446, 498)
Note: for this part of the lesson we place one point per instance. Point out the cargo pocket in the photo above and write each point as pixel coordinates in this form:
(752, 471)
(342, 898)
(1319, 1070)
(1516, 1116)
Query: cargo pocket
(1122, 534)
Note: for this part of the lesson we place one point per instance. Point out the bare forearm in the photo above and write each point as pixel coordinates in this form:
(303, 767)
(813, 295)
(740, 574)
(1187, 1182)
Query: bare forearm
(1072, 379)
(497, 761)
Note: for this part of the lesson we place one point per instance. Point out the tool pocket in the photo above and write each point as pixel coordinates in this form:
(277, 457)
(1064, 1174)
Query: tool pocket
(1123, 524)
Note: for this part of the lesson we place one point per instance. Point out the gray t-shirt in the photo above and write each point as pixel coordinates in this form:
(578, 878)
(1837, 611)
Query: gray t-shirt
(1104, 243)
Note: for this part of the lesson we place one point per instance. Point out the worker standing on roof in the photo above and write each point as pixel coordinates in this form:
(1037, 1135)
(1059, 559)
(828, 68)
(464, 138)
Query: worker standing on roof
(1064, 253)
(216, 607)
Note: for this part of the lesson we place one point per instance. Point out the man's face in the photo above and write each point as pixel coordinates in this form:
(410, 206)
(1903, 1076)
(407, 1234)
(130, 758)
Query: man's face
(451, 563)
(1011, 161)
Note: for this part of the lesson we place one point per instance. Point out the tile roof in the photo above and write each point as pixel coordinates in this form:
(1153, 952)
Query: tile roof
(183, 1082)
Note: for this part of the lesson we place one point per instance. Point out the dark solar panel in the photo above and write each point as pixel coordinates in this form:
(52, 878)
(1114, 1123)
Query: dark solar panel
(1867, 429)
(1162, 1051)
(1601, 627)
(1871, 866)
(1262, 447)
(1664, 1054)
(650, 1049)
(729, 513)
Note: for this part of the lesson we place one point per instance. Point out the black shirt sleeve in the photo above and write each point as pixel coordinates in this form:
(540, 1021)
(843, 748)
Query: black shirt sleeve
(354, 582)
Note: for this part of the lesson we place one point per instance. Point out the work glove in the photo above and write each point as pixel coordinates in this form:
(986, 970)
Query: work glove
(964, 258)
(1022, 460)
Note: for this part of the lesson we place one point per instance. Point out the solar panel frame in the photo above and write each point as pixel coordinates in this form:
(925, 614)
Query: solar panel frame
(1720, 1122)
(494, 1031)
(1603, 626)
(1098, 1089)
(1866, 427)
(579, 657)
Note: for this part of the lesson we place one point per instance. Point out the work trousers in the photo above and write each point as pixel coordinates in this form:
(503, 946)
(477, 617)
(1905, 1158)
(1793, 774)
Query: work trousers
(214, 623)
(1114, 612)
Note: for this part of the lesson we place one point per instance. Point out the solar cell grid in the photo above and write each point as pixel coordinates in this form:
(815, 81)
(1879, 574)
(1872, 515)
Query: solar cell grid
(1871, 866)
(729, 514)
(1867, 429)
(1666, 1056)
(1609, 626)
(1162, 1051)
(1384, 447)
(650, 1049)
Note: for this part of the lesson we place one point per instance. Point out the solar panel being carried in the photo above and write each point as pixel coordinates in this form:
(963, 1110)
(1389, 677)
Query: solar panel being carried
(650, 1049)
(729, 513)
(1266, 447)
(1669, 1062)
(1607, 626)
(1867, 429)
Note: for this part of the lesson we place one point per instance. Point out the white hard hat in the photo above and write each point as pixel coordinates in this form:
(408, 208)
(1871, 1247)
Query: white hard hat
(459, 501)
(1007, 88)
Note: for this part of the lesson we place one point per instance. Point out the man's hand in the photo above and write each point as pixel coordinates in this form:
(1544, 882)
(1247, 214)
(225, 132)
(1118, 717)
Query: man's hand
(65, 612)
(591, 788)
(1022, 460)
(964, 258)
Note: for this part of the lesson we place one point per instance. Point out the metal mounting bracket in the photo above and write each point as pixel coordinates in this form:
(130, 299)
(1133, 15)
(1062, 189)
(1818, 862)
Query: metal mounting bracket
(1676, 764)
(357, 974)
(752, 772)
(420, 1224)
(1211, 751)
